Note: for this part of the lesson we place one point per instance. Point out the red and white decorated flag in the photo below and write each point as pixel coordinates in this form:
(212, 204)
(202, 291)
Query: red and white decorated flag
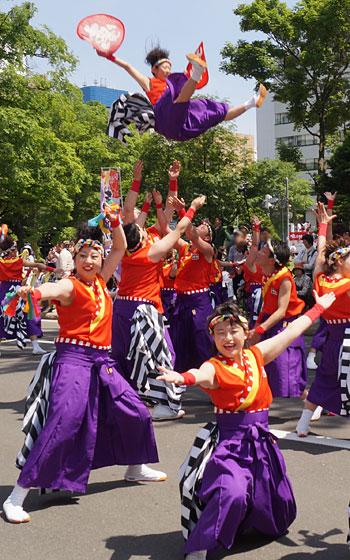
(205, 76)
(105, 33)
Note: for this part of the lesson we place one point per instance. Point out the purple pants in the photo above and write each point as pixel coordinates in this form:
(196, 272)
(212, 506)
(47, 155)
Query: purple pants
(183, 121)
(320, 336)
(33, 325)
(95, 419)
(287, 373)
(325, 389)
(218, 294)
(168, 301)
(123, 311)
(189, 330)
(244, 485)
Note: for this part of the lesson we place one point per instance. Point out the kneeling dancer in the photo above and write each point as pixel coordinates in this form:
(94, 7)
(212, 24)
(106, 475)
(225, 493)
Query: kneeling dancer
(234, 477)
(94, 418)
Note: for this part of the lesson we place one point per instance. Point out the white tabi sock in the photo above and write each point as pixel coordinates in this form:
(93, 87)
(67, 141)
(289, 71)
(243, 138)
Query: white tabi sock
(257, 99)
(304, 421)
(12, 507)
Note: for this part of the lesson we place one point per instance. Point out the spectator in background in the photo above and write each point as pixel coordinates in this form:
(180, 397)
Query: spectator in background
(308, 255)
(303, 285)
(222, 239)
(64, 264)
(244, 228)
(293, 251)
(265, 235)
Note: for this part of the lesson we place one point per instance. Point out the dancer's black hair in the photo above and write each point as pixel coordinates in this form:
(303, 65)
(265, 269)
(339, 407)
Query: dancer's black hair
(133, 235)
(7, 243)
(84, 231)
(282, 252)
(156, 54)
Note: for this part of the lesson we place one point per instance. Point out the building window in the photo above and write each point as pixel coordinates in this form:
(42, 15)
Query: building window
(282, 118)
(310, 164)
(300, 140)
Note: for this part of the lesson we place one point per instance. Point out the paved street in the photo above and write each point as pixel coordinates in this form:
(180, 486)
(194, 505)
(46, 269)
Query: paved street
(116, 520)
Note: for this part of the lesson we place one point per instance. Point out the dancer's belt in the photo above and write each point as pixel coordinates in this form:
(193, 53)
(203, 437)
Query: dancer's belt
(67, 340)
(337, 321)
(132, 298)
(190, 292)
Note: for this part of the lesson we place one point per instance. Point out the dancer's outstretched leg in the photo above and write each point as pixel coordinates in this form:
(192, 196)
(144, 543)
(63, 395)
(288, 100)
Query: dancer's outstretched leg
(255, 101)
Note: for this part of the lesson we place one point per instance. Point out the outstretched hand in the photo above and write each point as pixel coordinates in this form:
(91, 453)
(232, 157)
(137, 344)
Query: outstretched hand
(326, 300)
(148, 198)
(198, 202)
(170, 376)
(138, 167)
(321, 214)
(177, 203)
(174, 170)
(256, 221)
(157, 196)
(23, 292)
(329, 195)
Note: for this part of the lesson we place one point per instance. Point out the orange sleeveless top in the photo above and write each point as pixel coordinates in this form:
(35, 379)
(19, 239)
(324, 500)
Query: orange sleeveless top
(270, 288)
(11, 269)
(243, 387)
(140, 277)
(193, 270)
(158, 87)
(251, 278)
(340, 309)
(164, 280)
(89, 317)
(215, 272)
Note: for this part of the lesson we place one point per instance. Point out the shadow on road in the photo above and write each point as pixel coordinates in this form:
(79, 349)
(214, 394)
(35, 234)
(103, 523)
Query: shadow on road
(154, 547)
(316, 541)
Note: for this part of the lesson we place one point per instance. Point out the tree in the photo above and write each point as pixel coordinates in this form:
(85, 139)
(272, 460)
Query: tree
(293, 154)
(304, 59)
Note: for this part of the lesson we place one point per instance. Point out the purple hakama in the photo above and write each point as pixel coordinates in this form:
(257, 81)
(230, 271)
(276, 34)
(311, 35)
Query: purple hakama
(95, 419)
(183, 121)
(325, 389)
(168, 296)
(244, 485)
(320, 336)
(33, 325)
(189, 330)
(218, 294)
(287, 373)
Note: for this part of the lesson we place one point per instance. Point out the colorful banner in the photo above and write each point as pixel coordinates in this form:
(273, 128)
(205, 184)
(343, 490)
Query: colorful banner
(110, 185)
(205, 76)
(105, 33)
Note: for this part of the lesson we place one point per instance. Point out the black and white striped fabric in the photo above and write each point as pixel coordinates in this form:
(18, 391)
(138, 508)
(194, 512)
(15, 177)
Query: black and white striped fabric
(131, 108)
(257, 303)
(191, 474)
(344, 374)
(16, 326)
(149, 349)
(37, 402)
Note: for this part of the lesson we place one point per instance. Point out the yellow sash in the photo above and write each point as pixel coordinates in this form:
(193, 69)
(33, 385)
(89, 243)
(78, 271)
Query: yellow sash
(94, 323)
(276, 275)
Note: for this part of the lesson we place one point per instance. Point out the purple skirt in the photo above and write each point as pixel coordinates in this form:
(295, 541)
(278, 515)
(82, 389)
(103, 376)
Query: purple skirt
(183, 121)
(33, 325)
(325, 389)
(95, 419)
(244, 485)
(189, 330)
(123, 311)
(287, 373)
(168, 301)
(320, 336)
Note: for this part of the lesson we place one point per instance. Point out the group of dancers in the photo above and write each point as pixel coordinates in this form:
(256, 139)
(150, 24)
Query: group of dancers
(170, 327)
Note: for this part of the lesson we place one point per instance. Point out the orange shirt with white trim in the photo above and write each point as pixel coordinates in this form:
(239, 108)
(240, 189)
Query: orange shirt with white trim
(251, 278)
(193, 270)
(215, 273)
(340, 309)
(242, 387)
(89, 317)
(140, 277)
(270, 288)
(11, 269)
(158, 87)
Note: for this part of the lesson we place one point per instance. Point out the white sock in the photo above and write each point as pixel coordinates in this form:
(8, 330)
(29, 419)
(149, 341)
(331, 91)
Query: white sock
(18, 495)
(12, 507)
(304, 421)
(35, 344)
(251, 103)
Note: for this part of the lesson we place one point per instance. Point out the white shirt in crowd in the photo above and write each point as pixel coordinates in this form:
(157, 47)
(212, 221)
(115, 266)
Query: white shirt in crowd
(65, 262)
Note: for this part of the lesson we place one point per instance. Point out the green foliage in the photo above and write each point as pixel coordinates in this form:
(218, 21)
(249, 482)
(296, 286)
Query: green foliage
(293, 154)
(304, 59)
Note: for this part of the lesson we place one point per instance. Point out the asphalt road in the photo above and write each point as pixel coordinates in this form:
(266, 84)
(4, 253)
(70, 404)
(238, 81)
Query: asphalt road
(116, 520)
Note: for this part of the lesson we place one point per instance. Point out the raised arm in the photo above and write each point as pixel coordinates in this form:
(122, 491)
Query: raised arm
(131, 198)
(62, 291)
(253, 251)
(142, 80)
(323, 219)
(273, 347)
(204, 376)
(203, 246)
(142, 217)
(119, 244)
(161, 224)
(330, 203)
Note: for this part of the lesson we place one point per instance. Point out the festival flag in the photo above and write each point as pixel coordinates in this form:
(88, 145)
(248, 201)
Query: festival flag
(205, 76)
(105, 33)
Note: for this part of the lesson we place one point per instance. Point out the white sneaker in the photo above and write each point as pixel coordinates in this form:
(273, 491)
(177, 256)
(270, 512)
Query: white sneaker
(310, 361)
(14, 514)
(162, 412)
(143, 473)
(38, 350)
(197, 555)
(317, 414)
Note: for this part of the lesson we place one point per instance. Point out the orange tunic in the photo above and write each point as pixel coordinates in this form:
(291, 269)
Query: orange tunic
(340, 309)
(215, 272)
(270, 288)
(164, 280)
(242, 387)
(89, 317)
(193, 270)
(251, 278)
(153, 234)
(158, 87)
(140, 277)
(11, 269)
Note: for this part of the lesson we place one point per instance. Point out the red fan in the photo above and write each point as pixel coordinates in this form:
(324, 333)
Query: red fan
(205, 76)
(105, 33)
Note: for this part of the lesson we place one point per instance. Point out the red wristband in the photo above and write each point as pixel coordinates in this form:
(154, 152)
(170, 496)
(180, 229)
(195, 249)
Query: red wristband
(182, 213)
(145, 207)
(260, 330)
(315, 312)
(256, 228)
(189, 378)
(330, 204)
(159, 205)
(37, 294)
(115, 222)
(173, 185)
(322, 229)
(135, 186)
(49, 268)
(190, 213)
